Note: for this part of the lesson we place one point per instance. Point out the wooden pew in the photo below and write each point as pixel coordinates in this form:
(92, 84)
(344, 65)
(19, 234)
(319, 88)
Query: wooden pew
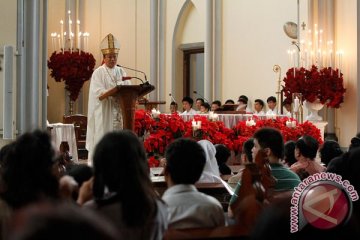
(223, 232)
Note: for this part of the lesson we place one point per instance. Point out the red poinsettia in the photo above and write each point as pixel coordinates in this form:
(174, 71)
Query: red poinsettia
(325, 84)
(74, 68)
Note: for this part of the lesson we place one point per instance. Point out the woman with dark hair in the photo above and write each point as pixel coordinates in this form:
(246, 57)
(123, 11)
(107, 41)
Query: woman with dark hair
(289, 153)
(329, 150)
(123, 190)
(305, 152)
(27, 174)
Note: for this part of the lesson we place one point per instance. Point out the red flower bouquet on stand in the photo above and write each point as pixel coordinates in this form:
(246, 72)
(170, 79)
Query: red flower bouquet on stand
(74, 68)
(325, 85)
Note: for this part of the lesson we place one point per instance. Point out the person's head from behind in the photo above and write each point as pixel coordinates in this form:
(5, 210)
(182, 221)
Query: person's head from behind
(120, 167)
(270, 141)
(355, 142)
(246, 152)
(329, 150)
(28, 173)
(61, 222)
(215, 105)
(222, 154)
(306, 147)
(187, 103)
(198, 103)
(259, 105)
(229, 101)
(271, 102)
(173, 107)
(182, 167)
(289, 153)
(205, 107)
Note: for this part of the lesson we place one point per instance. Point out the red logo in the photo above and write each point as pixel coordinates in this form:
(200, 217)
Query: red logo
(325, 205)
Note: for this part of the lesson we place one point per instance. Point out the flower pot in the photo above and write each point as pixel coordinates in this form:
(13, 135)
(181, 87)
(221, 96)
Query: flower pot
(313, 108)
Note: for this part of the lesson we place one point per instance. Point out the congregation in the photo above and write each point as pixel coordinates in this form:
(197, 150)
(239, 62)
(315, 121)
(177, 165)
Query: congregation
(116, 199)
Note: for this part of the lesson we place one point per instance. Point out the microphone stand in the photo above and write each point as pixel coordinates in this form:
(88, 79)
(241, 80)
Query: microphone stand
(135, 71)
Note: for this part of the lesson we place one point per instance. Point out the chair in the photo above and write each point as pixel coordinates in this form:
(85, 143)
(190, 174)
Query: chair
(80, 124)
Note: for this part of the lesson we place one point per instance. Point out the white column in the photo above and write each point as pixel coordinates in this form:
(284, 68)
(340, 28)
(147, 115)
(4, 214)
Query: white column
(208, 75)
(218, 51)
(154, 58)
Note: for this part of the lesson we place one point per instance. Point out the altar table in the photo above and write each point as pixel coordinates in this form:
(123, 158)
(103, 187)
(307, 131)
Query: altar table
(61, 132)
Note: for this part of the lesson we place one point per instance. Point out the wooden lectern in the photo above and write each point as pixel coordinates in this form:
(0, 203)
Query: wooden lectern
(127, 95)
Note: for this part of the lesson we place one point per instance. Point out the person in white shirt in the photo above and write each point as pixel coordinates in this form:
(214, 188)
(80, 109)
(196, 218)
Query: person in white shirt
(243, 104)
(104, 116)
(187, 106)
(187, 207)
(198, 103)
(271, 102)
(287, 106)
(259, 106)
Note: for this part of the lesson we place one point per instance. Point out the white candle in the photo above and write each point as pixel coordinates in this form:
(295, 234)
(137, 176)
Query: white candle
(78, 33)
(289, 55)
(69, 22)
(62, 35)
(294, 60)
(296, 104)
(59, 41)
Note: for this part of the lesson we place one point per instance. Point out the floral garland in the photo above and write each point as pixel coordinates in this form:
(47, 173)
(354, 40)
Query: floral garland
(325, 85)
(161, 131)
(74, 68)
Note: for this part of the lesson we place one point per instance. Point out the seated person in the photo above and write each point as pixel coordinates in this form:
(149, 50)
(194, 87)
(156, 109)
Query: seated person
(329, 150)
(222, 155)
(211, 170)
(271, 102)
(259, 107)
(205, 107)
(246, 157)
(243, 104)
(305, 153)
(215, 105)
(229, 101)
(198, 103)
(287, 106)
(187, 207)
(289, 153)
(187, 106)
(270, 141)
(174, 107)
(229, 105)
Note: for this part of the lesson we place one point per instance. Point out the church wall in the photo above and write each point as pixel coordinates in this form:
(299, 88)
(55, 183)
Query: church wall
(253, 42)
(347, 117)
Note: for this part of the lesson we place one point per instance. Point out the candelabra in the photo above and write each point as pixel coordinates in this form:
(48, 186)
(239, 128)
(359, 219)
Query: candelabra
(73, 41)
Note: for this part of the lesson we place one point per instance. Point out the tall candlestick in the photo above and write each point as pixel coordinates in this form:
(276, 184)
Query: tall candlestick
(59, 41)
(78, 34)
(62, 35)
(69, 22)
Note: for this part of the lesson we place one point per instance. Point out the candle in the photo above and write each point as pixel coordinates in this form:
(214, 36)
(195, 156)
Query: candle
(78, 34)
(293, 57)
(293, 124)
(296, 104)
(288, 124)
(59, 41)
(69, 22)
(62, 35)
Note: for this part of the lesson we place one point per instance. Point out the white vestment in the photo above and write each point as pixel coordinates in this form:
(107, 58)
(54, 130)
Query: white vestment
(103, 116)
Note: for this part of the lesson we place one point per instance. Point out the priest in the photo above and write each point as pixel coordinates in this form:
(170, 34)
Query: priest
(104, 116)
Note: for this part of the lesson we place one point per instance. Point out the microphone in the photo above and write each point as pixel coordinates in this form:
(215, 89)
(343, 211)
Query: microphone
(128, 78)
(172, 98)
(135, 71)
(201, 96)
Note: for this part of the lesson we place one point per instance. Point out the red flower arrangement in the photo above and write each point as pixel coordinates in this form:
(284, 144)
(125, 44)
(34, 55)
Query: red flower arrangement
(74, 68)
(243, 132)
(165, 129)
(325, 85)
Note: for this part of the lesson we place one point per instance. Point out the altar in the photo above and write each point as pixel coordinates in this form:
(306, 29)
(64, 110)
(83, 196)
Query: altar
(61, 132)
(230, 120)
